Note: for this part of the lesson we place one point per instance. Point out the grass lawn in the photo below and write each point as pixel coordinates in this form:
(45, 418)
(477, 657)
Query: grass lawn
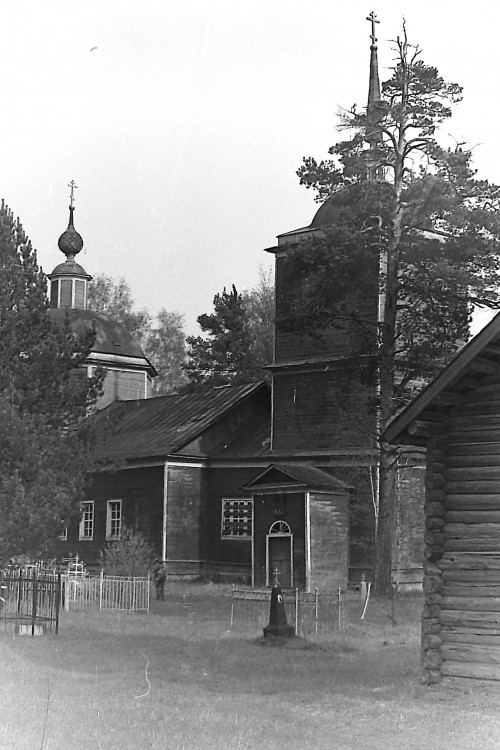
(179, 679)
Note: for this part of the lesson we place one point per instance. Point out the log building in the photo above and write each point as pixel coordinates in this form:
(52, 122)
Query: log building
(457, 419)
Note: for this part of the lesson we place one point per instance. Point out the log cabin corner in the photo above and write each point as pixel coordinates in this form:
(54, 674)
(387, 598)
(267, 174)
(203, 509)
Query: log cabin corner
(457, 419)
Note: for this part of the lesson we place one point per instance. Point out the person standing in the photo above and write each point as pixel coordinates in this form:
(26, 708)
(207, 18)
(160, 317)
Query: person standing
(159, 577)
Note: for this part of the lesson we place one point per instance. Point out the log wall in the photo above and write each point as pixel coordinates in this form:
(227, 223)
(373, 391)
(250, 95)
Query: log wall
(461, 621)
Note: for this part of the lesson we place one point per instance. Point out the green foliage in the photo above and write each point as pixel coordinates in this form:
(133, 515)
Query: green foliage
(224, 355)
(38, 358)
(44, 440)
(239, 338)
(114, 298)
(259, 306)
(42, 480)
(165, 347)
(162, 339)
(411, 214)
(130, 555)
(406, 214)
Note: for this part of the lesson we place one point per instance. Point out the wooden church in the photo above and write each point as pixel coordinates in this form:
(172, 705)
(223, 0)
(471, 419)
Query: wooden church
(243, 481)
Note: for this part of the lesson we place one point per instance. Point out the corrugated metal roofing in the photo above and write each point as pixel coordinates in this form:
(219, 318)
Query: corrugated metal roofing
(162, 426)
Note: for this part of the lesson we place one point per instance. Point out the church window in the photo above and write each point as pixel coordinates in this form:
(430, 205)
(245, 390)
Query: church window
(113, 519)
(80, 295)
(66, 293)
(87, 521)
(280, 527)
(236, 518)
(54, 293)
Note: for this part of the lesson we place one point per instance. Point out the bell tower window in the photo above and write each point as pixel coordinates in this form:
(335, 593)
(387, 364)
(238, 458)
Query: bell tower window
(66, 293)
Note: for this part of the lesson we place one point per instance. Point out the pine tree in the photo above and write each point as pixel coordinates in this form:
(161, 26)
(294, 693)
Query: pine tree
(224, 355)
(411, 217)
(44, 436)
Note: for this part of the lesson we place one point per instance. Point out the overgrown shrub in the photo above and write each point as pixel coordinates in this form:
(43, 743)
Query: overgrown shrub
(130, 555)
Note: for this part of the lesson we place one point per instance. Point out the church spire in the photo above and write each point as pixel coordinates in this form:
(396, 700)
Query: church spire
(373, 135)
(374, 83)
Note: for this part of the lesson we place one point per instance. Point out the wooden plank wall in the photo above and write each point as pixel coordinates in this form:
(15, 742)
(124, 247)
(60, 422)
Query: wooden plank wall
(461, 624)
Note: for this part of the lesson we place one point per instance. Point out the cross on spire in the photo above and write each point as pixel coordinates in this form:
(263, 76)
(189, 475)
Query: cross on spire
(373, 18)
(73, 186)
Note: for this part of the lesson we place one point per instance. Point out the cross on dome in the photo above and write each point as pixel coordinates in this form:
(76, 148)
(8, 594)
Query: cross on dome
(373, 19)
(73, 187)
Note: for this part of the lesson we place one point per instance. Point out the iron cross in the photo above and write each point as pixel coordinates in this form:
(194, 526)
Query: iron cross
(73, 186)
(373, 18)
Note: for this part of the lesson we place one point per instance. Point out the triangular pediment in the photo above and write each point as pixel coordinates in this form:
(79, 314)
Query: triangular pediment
(298, 477)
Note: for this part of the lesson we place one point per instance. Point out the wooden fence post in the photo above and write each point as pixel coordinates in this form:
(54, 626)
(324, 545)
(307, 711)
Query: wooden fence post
(34, 602)
(101, 583)
(58, 601)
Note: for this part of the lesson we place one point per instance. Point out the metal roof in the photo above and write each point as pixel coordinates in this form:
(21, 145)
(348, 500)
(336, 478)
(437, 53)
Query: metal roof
(111, 337)
(165, 425)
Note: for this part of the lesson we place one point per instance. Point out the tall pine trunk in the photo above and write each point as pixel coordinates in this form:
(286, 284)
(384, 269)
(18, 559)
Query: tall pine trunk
(387, 369)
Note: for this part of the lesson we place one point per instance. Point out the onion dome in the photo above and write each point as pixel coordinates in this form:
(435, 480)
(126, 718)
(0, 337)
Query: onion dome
(70, 242)
(69, 280)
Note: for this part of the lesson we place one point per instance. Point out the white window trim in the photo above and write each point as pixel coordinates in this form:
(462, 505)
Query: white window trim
(109, 536)
(250, 505)
(81, 535)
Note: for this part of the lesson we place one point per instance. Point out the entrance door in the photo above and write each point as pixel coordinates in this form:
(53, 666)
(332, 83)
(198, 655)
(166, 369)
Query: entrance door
(280, 560)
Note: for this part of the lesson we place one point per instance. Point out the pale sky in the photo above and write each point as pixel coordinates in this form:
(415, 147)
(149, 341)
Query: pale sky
(183, 123)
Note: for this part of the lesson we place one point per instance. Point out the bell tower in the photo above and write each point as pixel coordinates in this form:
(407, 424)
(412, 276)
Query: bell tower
(321, 399)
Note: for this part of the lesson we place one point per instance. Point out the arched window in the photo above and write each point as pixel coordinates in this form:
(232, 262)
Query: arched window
(280, 527)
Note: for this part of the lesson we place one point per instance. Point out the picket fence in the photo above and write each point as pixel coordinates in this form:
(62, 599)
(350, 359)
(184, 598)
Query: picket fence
(130, 594)
(314, 613)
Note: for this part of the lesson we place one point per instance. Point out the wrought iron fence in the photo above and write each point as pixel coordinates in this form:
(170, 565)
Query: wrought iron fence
(314, 613)
(107, 592)
(29, 602)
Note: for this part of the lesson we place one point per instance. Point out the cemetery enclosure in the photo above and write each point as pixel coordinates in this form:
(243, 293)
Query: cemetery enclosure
(29, 603)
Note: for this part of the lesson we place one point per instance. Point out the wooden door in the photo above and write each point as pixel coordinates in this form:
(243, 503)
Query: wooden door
(280, 560)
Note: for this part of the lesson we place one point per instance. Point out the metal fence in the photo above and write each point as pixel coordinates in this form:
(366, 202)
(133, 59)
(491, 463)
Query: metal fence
(107, 592)
(316, 613)
(29, 603)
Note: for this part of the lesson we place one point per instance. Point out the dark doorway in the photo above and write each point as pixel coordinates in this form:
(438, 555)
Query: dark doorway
(280, 560)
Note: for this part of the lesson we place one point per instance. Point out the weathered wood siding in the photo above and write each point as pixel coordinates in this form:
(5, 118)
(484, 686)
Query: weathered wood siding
(186, 520)
(124, 385)
(337, 341)
(141, 493)
(329, 520)
(227, 556)
(320, 410)
(461, 625)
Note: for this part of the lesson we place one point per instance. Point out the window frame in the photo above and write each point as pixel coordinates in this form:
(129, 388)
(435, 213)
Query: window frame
(231, 508)
(87, 518)
(110, 520)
